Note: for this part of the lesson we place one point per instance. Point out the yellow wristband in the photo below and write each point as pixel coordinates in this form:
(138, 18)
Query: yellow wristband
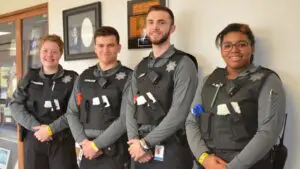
(49, 131)
(203, 157)
(94, 146)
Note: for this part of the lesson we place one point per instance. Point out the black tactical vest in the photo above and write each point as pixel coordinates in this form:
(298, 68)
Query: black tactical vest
(101, 97)
(230, 121)
(155, 89)
(48, 101)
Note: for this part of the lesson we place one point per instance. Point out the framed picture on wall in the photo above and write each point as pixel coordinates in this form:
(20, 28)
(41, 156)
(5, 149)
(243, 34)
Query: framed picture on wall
(79, 26)
(136, 15)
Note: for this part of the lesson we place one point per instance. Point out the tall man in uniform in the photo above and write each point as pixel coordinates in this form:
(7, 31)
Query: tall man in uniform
(94, 108)
(162, 88)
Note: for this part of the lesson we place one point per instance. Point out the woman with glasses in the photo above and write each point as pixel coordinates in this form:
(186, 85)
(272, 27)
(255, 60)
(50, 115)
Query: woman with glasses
(238, 111)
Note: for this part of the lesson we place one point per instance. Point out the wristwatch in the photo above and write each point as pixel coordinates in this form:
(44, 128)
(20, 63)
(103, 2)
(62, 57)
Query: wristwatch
(144, 145)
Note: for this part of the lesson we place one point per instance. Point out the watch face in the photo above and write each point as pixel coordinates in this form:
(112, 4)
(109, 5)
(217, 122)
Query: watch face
(144, 145)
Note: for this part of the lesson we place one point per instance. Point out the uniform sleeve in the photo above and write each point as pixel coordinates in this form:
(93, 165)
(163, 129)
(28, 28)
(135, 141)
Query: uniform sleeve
(61, 123)
(271, 111)
(131, 124)
(118, 127)
(17, 106)
(72, 115)
(185, 84)
(195, 140)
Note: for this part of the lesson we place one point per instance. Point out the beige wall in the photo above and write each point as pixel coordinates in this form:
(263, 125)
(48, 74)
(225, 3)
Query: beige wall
(275, 23)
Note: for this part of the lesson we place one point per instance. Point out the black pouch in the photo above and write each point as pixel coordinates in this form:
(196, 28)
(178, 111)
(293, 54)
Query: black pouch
(108, 115)
(31, 105)
(238, 128)
(205, 124)
(239, 131)
(153, 77)
(85, 109)
(157, 111)
(279, 152)
(279, 156)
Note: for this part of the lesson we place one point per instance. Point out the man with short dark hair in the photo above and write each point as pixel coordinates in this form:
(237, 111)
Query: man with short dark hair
(94, 110)
(162, 88)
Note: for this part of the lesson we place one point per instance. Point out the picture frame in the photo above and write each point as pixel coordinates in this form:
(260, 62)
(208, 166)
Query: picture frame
(4, 158)
(79, 25)
(136, 16)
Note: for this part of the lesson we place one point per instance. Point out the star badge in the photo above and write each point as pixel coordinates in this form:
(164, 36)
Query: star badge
(171, 66)
(256, 76)
(120, 75)
(66, 79)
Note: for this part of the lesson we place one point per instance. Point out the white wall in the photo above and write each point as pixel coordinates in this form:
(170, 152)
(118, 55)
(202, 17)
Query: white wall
(275, 23)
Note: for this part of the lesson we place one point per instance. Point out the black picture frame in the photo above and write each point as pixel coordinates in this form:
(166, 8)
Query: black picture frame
(136, 16)
(79, 25)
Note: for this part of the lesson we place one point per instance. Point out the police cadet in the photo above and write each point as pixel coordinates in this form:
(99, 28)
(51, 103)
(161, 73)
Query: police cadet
(162, 88)
(237, 114)
(94, 110)
(38, 105)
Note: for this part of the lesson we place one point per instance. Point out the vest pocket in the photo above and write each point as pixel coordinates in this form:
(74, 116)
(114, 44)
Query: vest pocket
(108, 116)
(31, 105)
(221, 132)
(238, 129)
(205, 125)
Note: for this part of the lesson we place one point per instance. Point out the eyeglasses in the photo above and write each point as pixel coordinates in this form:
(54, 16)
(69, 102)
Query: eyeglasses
(227, 46)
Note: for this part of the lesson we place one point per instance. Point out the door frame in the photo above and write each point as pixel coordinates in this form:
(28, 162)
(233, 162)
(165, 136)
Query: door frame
(17, 17)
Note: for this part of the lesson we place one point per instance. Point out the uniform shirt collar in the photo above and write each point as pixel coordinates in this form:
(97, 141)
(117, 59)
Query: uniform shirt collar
(57, 75)
(109, 72)
(166, 55)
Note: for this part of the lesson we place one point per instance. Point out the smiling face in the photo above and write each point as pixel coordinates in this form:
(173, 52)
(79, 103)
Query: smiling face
(50, 54)
(107, 49)
(159, 27)
(236, 50)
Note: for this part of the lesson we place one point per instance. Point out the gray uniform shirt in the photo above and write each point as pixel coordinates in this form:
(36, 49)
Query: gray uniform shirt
(271, 110)
(105, 137)
(23, 117)
(185, 84)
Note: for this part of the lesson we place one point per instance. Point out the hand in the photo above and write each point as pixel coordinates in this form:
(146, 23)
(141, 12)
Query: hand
(135, 149)
(41, 133)
(88, 151)
(214, 162)
(146, 158)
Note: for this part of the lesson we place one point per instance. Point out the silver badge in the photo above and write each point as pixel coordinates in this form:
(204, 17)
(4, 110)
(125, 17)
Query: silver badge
(171, 66)
(66, 79)
(256, 76)
(120, 75)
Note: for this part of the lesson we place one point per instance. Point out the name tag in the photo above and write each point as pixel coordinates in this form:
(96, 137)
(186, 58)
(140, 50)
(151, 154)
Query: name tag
(37, 83)
(90, 80)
